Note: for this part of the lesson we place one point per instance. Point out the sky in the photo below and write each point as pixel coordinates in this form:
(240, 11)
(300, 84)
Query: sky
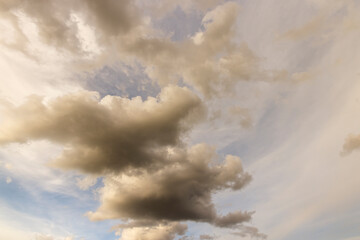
(179, 120)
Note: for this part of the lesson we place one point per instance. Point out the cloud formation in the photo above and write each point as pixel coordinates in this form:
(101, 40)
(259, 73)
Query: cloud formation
(108, 18)
(181, 191)
(149, 173)
(162, 232)
(152, 179)
(108, 135)
(211, 61)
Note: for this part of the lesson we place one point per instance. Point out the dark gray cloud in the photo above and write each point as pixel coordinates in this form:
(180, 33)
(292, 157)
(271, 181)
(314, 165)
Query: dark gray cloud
(113, 134)
(181, 191)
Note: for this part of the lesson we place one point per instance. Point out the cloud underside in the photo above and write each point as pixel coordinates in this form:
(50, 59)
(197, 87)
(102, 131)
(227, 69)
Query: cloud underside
(149, 172)
(185, 187)
(110, 135)
(152, 179)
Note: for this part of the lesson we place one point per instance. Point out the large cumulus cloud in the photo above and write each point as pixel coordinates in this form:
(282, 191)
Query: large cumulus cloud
(150, 175)
(180, 191)
(111, 134)
(152, 179)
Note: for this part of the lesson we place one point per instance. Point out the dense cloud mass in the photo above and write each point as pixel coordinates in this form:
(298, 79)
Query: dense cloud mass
(131, 112)
(108, 135)
(185, 187)
(150, 174)
(153, 180)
